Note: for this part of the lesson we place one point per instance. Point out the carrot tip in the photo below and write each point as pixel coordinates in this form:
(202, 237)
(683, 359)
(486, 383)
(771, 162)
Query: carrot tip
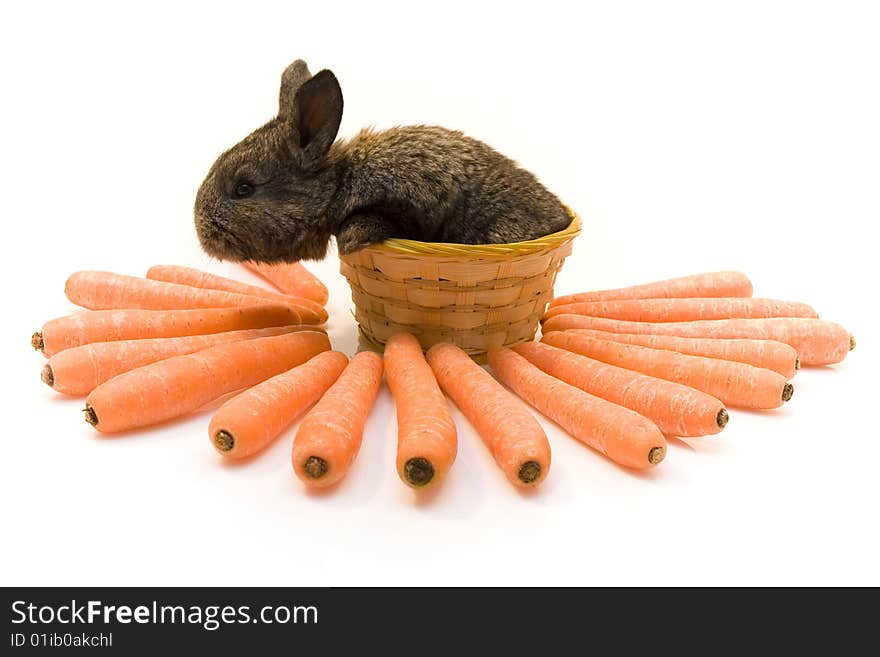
(418, 471)
(797, 362)
(852, 343)
(47, 375)
(224, 441)
(37, 341)
(529, 472)
(315, 467)
(91, 416)
(787, 392)
(722, 418)
(656, 455)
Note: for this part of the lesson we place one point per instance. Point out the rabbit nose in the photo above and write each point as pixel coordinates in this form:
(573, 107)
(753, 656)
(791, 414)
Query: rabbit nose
(205, 224)
(205, 207)
(201, 198)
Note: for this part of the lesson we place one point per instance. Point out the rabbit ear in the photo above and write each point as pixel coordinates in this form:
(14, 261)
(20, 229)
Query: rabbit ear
(291, 80)
(315, 117)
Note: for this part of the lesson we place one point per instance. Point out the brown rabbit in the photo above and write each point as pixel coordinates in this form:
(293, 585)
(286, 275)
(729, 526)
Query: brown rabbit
(284, 190)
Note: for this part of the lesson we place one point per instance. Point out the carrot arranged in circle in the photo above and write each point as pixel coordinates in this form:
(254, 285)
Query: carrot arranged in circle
(110, 325)
(736, 384)
(175, 386)
(713, 284)
(291, 278)
(773, 355)
(619, 433)
(329, 437)
(80, 370)
(100, 290)
(512, 434)
(676, 409)
(817, 342)
(685, 310)
(426, 436)
(208, 281)
(249, 421)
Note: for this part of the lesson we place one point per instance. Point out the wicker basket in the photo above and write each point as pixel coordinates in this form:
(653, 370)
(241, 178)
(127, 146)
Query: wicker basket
(476, 296)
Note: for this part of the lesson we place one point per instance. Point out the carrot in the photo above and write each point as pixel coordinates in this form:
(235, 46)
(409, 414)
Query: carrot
(291, 278)
(80, 370)
(512, 434)
(426, 436)
(329, 436)
(817, 342)
(676, 409)
(100, 290)
(249, 421)
(773, 355)
(175, 386)
(110, 325)
(736, 384)
(205, 280)
(714, 284)
(622, 435)
(684, 310)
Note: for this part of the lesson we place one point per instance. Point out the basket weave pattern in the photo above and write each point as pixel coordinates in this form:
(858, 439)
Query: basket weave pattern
(475, 296)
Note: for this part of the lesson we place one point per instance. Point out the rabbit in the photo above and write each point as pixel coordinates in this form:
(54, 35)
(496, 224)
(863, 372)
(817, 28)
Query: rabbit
(281, 193)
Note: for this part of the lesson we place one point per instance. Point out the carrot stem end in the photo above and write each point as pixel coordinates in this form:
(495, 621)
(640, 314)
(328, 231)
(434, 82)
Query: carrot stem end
(852, 343)
(91, 416)
(37, 341)
(418, 471)
(529, 472)
(47, 376)
(315, 467)
(656, 455)
(224, 441)
(722, 418)
(787, 392)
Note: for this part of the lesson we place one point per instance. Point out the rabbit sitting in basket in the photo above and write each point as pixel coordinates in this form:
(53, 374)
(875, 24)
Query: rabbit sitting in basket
(284, 190)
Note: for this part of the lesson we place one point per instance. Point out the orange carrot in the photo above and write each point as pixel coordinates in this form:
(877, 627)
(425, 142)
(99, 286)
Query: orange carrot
(736, 384)
(291, 278)
(208, 281)
(249, 421)
(684, 310)
(426, 436)
(329, 436)
(512, 434)
(817, 342)
(110, 325)
(80, 370)
(622, 435)
(773, 355)
(175, 386)
(101, 290)
(676, 409)
(715, 284)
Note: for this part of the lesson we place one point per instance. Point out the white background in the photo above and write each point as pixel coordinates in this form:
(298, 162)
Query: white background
(689, 136)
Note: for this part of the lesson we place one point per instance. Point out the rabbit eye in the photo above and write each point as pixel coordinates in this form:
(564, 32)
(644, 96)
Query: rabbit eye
(243, 190)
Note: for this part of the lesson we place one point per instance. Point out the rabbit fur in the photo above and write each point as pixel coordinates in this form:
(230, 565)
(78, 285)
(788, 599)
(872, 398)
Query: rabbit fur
(281, 193)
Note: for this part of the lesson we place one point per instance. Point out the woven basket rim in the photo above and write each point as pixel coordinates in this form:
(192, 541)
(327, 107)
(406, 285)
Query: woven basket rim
(415, 247)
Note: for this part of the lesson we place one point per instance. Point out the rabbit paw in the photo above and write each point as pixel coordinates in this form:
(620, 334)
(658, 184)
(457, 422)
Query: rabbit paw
(363, 230)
